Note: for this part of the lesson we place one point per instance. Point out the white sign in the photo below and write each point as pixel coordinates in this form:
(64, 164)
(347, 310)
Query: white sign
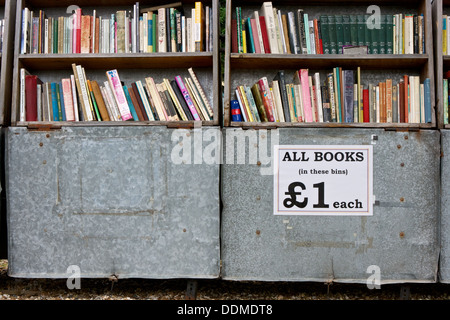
(323, 180)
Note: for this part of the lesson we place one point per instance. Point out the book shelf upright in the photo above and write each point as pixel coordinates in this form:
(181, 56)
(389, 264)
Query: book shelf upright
(131, 66)
(245, 68)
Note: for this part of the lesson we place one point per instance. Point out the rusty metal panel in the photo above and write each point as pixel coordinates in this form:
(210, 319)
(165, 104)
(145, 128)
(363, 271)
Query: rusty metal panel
(110, 200)
(400, 238)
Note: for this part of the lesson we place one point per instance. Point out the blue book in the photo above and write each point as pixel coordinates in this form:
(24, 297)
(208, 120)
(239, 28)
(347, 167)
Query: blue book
(427, 99)
(54, 102)
(61, 98)
(130, 104)
(235, 111)
(150, 33)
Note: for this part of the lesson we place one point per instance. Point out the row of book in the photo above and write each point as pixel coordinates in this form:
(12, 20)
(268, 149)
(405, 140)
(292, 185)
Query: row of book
(270, 30)
(340, 97)
(76, 98)
(166, 28)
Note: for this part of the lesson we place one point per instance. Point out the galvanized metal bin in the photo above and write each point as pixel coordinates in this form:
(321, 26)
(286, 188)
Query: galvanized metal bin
(444, 262)
(111, 201)
(400, 238)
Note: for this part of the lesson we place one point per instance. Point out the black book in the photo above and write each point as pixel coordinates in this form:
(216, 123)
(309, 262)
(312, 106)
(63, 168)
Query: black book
(416, 33)
(284, 97)
(168, 31)
(180, 97)
(325, 103)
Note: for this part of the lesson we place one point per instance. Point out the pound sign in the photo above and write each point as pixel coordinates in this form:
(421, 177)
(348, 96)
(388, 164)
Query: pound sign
(292, 201)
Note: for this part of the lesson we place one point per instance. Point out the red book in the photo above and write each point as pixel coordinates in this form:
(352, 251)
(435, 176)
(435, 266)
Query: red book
(316, 36)
(262, 22)
(366, 110)
(406, 95)
(401, 89)
(234, 41)
(31, 82)
(264, 95)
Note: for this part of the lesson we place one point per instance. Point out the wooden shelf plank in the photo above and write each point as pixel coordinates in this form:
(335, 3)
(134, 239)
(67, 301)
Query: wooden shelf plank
(116, 61)
(272, 125)
(258, 61)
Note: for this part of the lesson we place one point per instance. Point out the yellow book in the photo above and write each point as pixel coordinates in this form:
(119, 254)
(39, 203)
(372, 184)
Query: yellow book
(199, 22)
(244, 42)
(360, 98)
(246, 104)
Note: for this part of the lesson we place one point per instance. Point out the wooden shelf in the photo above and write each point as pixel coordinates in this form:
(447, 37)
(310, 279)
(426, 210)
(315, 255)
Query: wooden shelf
(385, 61)
(44, 64)
(239, 65)
(122, 60)
(41, 125)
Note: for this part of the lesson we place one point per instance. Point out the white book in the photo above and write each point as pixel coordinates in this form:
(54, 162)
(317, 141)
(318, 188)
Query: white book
(162, 37)
(142, 93)
(106, 36)
(192, 30)
(46, 36)
(108, 103)
(298, 102)
(84, 94)
(409, 34)
(202, 92)
(313, 99)
(144, 33)
(377, 103)
(267, 11)
(258, 29)
(39, 101)
(22, 98)
(312, 39)
(94, 16)
(112, 102)
(318, 96)
(277, 100)
(183, 34)
(127, 32)
(422, 103)
(70, 35)
(282, 36)
(45, 102)
(276, 116)
(112, 35)
(241, 105)
(74, 97)
(278, 30)
(188, 34)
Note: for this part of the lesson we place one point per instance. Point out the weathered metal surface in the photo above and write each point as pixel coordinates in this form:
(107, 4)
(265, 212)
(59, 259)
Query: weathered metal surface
(401, 238)
(444, 262)
(112, 202)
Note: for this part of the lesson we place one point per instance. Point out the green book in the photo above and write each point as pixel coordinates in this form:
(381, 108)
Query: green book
(367, 35)
(58, 97)
(339, 33)
(361, 27)
(154, 22)
(347, 33)
(382, 40)
(353, 30)
(239, 30)
(306, 24)
(259, 103)
(375, 37)
(389, 45)
(55, 35)
(332, 34)
(325, 34)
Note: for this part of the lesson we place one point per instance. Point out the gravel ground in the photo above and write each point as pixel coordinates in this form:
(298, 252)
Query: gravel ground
(176, 289)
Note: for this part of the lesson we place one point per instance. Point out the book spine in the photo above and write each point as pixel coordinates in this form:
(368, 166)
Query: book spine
(264, 92)
(366, 107)
(348, 95)
(427, 100)
(130, 104)
(116, 86)
(330, 84)
(259, 103)
(54, 102)
(187, 98)
(199, 23)
(31, 97)
(293, 43)
(325, 34)
(332, 34)
(162, 41)
(68, 100)
(306, 95)
(389, 111)
(301, 31)
(318, 92)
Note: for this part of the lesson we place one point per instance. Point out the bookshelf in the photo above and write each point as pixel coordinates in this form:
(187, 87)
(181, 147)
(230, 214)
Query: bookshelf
(7, 13)
(131, 66)
(247, 68)
(440, 7)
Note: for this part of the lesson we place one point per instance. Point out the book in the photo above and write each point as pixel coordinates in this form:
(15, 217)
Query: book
(366, 107)
(187, 98)
(133, 112)
(259, 102)
(348, 77)
(68, 99)
(137, 106)
(306, 95)
(100, 101)
(199, 23)
(427, 102)
(266, 11)
(22, 99)
(389, 111)
(201, 93)
(175, 100)
(156, 99)
(265, 92)
(54, 98)
(281, 78)
(181, 99)
(140, 104)
(264, 35)
(119, 95)
(31, 82)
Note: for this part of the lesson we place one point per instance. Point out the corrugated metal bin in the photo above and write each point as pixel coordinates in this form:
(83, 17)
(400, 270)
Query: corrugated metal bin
(400, 239)
(111, 201)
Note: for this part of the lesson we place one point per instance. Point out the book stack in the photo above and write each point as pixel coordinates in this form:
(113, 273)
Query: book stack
(270, 30)
(338, 97)
(166, 28)
(76, 98)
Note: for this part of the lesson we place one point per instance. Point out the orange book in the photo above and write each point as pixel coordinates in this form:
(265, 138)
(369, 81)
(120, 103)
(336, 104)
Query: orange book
(85, 34)
(388, 100)
(382, 86)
